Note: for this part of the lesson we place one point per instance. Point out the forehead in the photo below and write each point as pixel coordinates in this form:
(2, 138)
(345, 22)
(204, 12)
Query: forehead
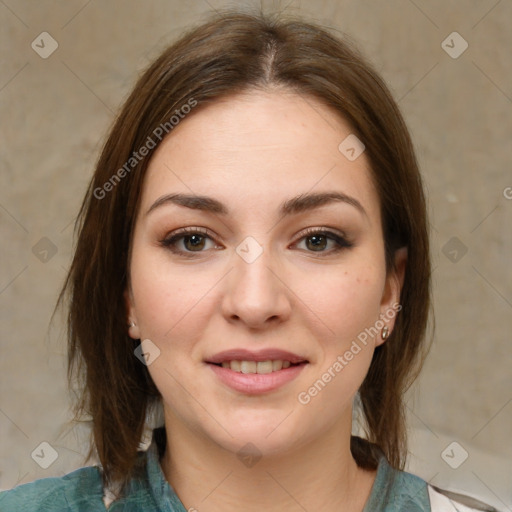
(261, 147)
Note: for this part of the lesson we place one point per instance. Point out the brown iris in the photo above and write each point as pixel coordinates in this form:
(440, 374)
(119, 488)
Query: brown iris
(319, 242)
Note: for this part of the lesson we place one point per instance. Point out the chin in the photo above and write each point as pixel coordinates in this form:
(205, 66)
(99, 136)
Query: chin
(266, 434)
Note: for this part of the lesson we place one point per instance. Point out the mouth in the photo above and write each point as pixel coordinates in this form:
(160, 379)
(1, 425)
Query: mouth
(256, 372)
(260, 367)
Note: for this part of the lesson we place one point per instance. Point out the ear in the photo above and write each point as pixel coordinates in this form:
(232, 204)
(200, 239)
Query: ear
(131, 320)
(390, 303)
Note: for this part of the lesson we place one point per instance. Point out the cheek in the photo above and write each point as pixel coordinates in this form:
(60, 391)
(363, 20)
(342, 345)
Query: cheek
(171, 306)
(345, 301)
(166, 298)
(349, 306)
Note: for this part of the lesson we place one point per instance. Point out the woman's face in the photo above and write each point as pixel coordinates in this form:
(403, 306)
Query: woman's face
(258, 241)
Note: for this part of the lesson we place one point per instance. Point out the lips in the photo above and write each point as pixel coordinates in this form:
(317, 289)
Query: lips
(256, 372)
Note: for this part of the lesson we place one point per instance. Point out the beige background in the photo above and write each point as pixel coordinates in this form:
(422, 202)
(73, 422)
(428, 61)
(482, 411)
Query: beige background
(55, 112)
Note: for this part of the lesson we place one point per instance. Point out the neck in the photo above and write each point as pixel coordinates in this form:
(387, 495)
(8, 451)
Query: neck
(318, 475)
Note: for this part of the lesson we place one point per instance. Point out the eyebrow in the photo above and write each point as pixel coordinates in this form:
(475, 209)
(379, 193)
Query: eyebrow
(298, 204)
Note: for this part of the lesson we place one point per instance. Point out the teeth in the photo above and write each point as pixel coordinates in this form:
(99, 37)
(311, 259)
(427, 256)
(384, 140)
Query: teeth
(277, 365)
(256, 367)
(236, 366)
(264, 367)
(248, 366)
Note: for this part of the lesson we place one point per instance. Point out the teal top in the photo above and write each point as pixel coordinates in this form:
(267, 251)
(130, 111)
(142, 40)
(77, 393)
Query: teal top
(82, 491)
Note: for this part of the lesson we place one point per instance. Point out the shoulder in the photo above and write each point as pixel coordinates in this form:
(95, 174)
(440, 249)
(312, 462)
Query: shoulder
(397, 491)
(81, 490)
(400, 491)
(408, 493)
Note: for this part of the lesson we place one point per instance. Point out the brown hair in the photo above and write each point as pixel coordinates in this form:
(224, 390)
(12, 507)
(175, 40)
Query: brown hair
(232, 53)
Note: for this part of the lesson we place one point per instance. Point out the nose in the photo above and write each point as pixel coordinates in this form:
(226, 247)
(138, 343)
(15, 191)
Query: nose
(256, 293)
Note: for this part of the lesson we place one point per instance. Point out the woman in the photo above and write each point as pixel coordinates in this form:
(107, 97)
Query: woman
(253, 258)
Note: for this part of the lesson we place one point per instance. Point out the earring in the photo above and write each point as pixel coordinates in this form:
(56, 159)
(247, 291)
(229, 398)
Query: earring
(132, 324)
(385, 333)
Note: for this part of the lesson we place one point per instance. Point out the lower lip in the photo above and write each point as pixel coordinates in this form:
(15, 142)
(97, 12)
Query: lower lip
(255, 383)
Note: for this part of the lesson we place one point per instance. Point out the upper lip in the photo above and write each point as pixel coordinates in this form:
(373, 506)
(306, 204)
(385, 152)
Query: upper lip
(240, 354)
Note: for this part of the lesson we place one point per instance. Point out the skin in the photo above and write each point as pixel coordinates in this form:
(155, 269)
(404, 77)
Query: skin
(253, 151)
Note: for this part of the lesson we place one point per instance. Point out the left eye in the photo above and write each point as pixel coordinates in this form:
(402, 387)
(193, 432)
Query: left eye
(318, 241)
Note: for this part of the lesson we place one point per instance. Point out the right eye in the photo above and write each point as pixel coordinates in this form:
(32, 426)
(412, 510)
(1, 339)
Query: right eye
(188, 240)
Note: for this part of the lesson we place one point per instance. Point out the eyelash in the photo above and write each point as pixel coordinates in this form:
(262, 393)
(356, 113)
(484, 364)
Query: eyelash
(170, 241)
